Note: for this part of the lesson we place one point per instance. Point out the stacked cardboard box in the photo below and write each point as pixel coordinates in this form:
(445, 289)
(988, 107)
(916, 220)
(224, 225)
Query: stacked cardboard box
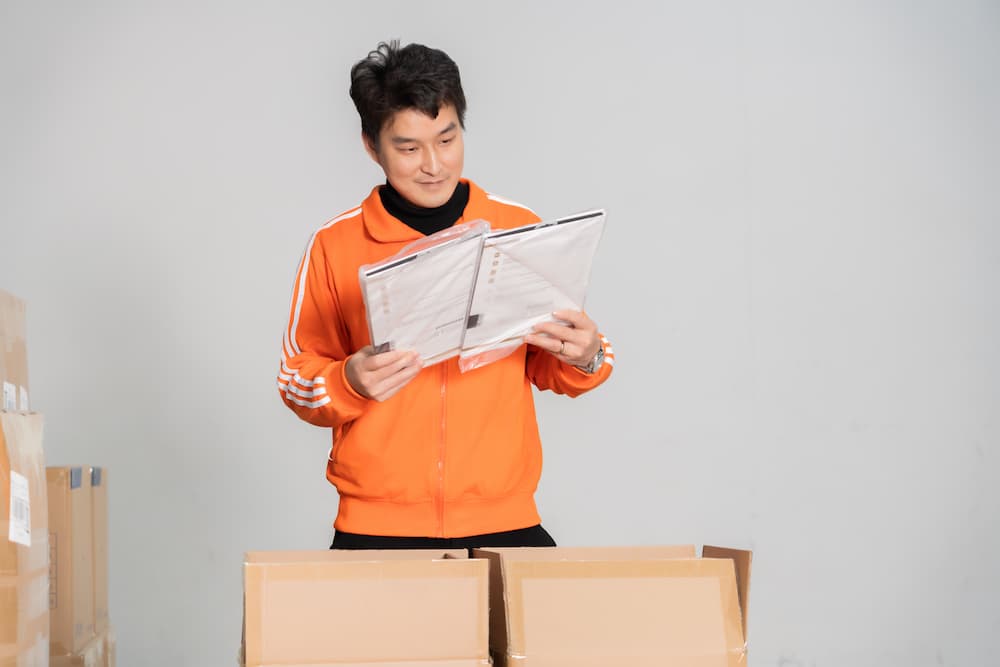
(13, 355)
(636, 606)
(24, 549)
(110, 647)
(91, 654)
(53, 555)
(99, 518)
(78, 597)
(365, 609)
(71, 579)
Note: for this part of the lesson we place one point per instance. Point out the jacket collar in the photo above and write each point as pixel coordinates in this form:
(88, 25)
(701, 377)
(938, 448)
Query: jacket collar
(385, 228)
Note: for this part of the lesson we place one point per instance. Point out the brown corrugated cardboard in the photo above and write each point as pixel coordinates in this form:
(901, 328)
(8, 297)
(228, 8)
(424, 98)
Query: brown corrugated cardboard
(92, 654)
(110, 647)
(24, 542)
(636, 606)
(71, 586)
(99, 517)
(372, 608)
(13, 355)
(742, 561)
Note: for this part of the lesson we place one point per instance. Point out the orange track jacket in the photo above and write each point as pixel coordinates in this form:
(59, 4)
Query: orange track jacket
(452, 454)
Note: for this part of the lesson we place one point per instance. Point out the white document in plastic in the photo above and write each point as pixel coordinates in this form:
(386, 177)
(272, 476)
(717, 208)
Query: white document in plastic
(524, 274)
(419, 299)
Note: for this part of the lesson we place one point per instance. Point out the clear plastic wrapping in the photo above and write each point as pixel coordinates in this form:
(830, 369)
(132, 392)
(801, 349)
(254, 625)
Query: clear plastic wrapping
(474, 293)
(524, 275)
(419, 298)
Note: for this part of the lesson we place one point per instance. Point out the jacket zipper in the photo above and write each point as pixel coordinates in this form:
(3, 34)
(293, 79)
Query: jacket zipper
(441, 448)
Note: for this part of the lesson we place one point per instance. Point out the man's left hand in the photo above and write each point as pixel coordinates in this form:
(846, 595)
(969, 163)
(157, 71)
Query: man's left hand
(575, 341)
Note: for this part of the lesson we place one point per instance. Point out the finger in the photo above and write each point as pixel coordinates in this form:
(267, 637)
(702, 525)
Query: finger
(560, 331)
(545, 342)
(563, 350)
(576, 339)
(402, 365)
(385, 360)
(577, 318)
(390, 386)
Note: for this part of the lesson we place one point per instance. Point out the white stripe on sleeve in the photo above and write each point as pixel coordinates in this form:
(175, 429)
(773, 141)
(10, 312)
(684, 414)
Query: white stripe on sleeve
(303, 272)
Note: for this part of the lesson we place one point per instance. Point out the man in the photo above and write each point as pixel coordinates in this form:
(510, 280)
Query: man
(421, 457)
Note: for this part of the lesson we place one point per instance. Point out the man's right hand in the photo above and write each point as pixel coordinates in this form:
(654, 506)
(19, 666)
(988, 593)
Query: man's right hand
(379, 376)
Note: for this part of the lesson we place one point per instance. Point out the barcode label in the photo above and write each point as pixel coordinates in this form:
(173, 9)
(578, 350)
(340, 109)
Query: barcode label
(9, 397)
(20, 510)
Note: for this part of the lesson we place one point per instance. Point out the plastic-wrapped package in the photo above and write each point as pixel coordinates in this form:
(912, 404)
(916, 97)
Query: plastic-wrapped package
(524, 275)
(419, 298)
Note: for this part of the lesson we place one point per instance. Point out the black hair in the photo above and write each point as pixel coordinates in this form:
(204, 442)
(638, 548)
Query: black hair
(415, 76)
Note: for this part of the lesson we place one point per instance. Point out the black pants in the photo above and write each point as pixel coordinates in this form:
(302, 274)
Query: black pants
(536, 536)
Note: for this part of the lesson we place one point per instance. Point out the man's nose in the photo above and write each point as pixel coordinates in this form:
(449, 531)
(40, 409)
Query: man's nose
(431, 163)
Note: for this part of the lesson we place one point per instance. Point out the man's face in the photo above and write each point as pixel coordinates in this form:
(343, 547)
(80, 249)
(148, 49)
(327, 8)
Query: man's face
(422, 157)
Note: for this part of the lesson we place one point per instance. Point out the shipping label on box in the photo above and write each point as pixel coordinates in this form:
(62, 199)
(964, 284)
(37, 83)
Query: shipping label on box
(20, 510)
(9, 396)
(24, 583)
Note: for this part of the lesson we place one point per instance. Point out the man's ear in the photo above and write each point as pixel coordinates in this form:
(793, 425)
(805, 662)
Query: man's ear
(370, 147)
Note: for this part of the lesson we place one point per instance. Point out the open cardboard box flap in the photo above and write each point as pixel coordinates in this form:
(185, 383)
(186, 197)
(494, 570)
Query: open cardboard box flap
(618, 605)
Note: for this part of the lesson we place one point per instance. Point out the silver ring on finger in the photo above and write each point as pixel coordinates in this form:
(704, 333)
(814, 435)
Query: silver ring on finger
(562, 348)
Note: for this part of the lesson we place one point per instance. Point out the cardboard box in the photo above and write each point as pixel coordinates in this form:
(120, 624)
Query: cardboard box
(99, 652)
(414, 608)
(71, 584)
(99, 517)
(635, 606)
(93, 654)
(13, 355)
(24, 542)
(110, 647)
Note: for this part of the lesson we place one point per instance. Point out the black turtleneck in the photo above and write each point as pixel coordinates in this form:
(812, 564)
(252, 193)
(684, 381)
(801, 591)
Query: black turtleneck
(425, 220)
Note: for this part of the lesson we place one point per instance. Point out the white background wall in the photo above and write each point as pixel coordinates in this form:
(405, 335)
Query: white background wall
(799, 278)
